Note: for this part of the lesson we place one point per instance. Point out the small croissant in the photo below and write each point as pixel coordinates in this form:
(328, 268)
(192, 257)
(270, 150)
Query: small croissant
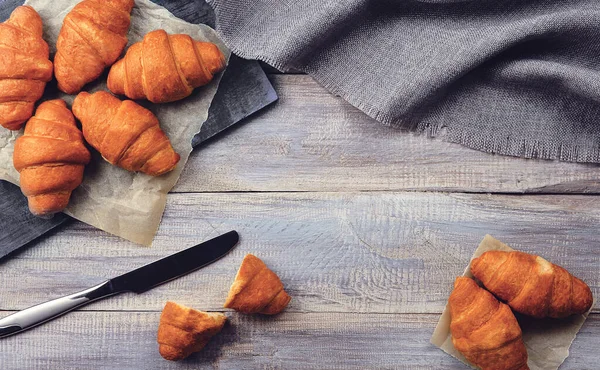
(256, 289)
(485, 330)
(531, 285)
(24, 66)
(163, 68)
(92, 37)
(125, 133)
(183, 331)
(50, 156)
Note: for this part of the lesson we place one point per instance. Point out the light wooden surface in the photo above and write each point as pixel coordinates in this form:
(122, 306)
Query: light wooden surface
(366, 225)
(313, 141)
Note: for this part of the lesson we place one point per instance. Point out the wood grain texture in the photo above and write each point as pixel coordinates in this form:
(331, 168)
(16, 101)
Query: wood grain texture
(121, 340)
(335, 252)
(311, 140)
(318, 191)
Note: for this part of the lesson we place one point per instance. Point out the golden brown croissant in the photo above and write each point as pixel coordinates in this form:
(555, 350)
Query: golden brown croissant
(50, 156)
(531, 285)
(257, 289)
(125, 133)
(164, 68)
(183, 331)
(24, 66)
(93, 35)
(485, 330)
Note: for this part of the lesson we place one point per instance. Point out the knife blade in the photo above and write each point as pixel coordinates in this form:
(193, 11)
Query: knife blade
(137, 281)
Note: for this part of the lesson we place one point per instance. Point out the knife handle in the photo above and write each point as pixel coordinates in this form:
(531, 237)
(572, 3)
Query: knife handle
(36, 315)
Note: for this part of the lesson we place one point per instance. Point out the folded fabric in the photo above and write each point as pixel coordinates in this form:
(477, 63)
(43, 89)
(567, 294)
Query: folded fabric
(514, 77)
(243, 90)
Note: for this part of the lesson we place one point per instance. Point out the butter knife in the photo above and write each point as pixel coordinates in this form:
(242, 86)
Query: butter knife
(138, 281)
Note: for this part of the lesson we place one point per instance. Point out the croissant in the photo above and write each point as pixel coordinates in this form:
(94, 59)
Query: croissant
(50, 157)
(125, 133)
(164, 68)
(256, 289)
(531, 285)
(24, 66)
(183, 331)
(92, 37)
(485, 330)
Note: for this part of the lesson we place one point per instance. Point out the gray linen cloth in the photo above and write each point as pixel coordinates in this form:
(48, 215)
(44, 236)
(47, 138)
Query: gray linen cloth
(513, 77)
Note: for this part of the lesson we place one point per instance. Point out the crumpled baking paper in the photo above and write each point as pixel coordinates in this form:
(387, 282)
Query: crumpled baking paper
(547, 340)
(126, 204)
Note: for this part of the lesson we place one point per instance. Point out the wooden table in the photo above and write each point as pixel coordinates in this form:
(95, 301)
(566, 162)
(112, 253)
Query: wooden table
(366, 225)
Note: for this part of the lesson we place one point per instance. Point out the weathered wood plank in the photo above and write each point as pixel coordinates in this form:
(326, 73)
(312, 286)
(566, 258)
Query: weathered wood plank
(118, 340)
(311, 140)
(335, 252)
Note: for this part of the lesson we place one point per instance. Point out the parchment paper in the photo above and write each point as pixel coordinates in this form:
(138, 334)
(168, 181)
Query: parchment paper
(547, 340)
(126, 204)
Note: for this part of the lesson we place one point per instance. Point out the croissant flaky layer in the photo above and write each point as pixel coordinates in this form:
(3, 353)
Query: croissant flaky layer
(24, 66)
(91, 39)
(183, 331)
(256, 289)
(485, 330)
(50, 156)
(164, 68)
(531, 285)
(125, 133)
